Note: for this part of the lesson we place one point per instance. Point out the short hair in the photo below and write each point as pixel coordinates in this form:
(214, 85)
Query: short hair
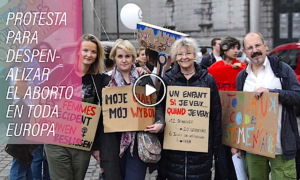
(203, 50)
(140, 50)
(98, 66)
(214, 41)
(186, 42)
(228, 43)
(126, 46)
(258, 33)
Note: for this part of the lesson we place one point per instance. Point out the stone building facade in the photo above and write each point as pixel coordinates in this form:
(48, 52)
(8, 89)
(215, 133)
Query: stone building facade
(201, 19)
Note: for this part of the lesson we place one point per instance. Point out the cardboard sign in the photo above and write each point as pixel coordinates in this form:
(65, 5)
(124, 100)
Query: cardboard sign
(187, 119)
(24, 7)
(121, 112)
(157, 38)
(164, 63)
(250, 124)
(75, 126)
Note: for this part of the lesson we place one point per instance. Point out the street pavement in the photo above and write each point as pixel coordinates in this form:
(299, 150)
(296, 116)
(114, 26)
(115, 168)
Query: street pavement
(5, 162)
(92, 172)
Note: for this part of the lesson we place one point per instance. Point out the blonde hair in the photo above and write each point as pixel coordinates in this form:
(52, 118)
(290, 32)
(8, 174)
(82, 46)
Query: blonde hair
(184, 42)
(126, 46)
(98, 66)
(140, 50)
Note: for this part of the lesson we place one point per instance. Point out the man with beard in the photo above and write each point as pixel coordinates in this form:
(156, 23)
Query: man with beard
(268, 74)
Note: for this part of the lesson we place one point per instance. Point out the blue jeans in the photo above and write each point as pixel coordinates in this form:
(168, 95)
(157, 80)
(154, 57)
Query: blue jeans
(19, 171)
(135, 167)
(40, 162)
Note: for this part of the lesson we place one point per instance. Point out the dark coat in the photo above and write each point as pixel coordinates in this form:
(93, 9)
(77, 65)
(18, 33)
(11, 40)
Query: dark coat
(208, 60)
(181, 165)
(113, 165)
(289, 97)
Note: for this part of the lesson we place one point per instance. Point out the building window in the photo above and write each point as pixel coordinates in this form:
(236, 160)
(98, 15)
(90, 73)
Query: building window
(169, 15)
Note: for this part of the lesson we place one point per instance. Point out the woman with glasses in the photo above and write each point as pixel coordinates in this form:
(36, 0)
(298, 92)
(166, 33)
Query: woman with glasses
(185, 164)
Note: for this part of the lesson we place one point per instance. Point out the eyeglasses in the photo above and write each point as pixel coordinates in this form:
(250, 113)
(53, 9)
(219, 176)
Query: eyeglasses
(184, 54)
(257, 46)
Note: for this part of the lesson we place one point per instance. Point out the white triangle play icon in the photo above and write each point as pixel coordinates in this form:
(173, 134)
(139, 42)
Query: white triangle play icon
(150, 90)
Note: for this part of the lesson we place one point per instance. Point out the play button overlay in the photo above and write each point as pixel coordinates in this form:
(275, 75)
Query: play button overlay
(149, 90)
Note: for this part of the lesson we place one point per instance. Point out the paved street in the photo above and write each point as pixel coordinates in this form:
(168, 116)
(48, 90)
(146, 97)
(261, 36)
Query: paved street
(92, 173)
(5, 162)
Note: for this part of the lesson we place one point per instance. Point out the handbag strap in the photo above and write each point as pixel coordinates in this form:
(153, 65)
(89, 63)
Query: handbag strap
(144, 139)
(95, 88)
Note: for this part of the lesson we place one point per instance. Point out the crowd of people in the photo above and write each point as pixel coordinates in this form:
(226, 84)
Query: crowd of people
(117, 152)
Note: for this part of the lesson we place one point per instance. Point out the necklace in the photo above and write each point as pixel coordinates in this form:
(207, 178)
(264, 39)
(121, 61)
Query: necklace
(188, 72)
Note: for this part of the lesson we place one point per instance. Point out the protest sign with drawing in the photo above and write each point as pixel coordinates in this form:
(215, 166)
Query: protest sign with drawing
(121, 111)
(75, 126)
(157, 38)
(250, 124)
(187, 119)
(24, 32)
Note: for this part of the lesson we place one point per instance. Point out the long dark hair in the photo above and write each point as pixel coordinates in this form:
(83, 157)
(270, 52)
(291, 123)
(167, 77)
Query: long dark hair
(152, 56)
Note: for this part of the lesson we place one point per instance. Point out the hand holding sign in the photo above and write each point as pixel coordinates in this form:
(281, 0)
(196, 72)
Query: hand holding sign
(236, 151)
(155, 128)
(96, 155)
(259, 91)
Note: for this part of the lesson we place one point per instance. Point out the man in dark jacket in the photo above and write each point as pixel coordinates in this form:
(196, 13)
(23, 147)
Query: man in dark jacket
(268, 74)
(214, 56)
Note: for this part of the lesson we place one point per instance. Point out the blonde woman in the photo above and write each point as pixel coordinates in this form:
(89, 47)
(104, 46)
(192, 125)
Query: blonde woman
(142, 61)
(116, 147)
(68, 163)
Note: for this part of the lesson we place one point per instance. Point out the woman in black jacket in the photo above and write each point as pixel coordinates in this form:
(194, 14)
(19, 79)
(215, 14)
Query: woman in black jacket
(184, 165)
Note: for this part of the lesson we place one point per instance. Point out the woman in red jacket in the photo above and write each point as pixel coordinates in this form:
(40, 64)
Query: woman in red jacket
(230, 48)
(225, 71)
